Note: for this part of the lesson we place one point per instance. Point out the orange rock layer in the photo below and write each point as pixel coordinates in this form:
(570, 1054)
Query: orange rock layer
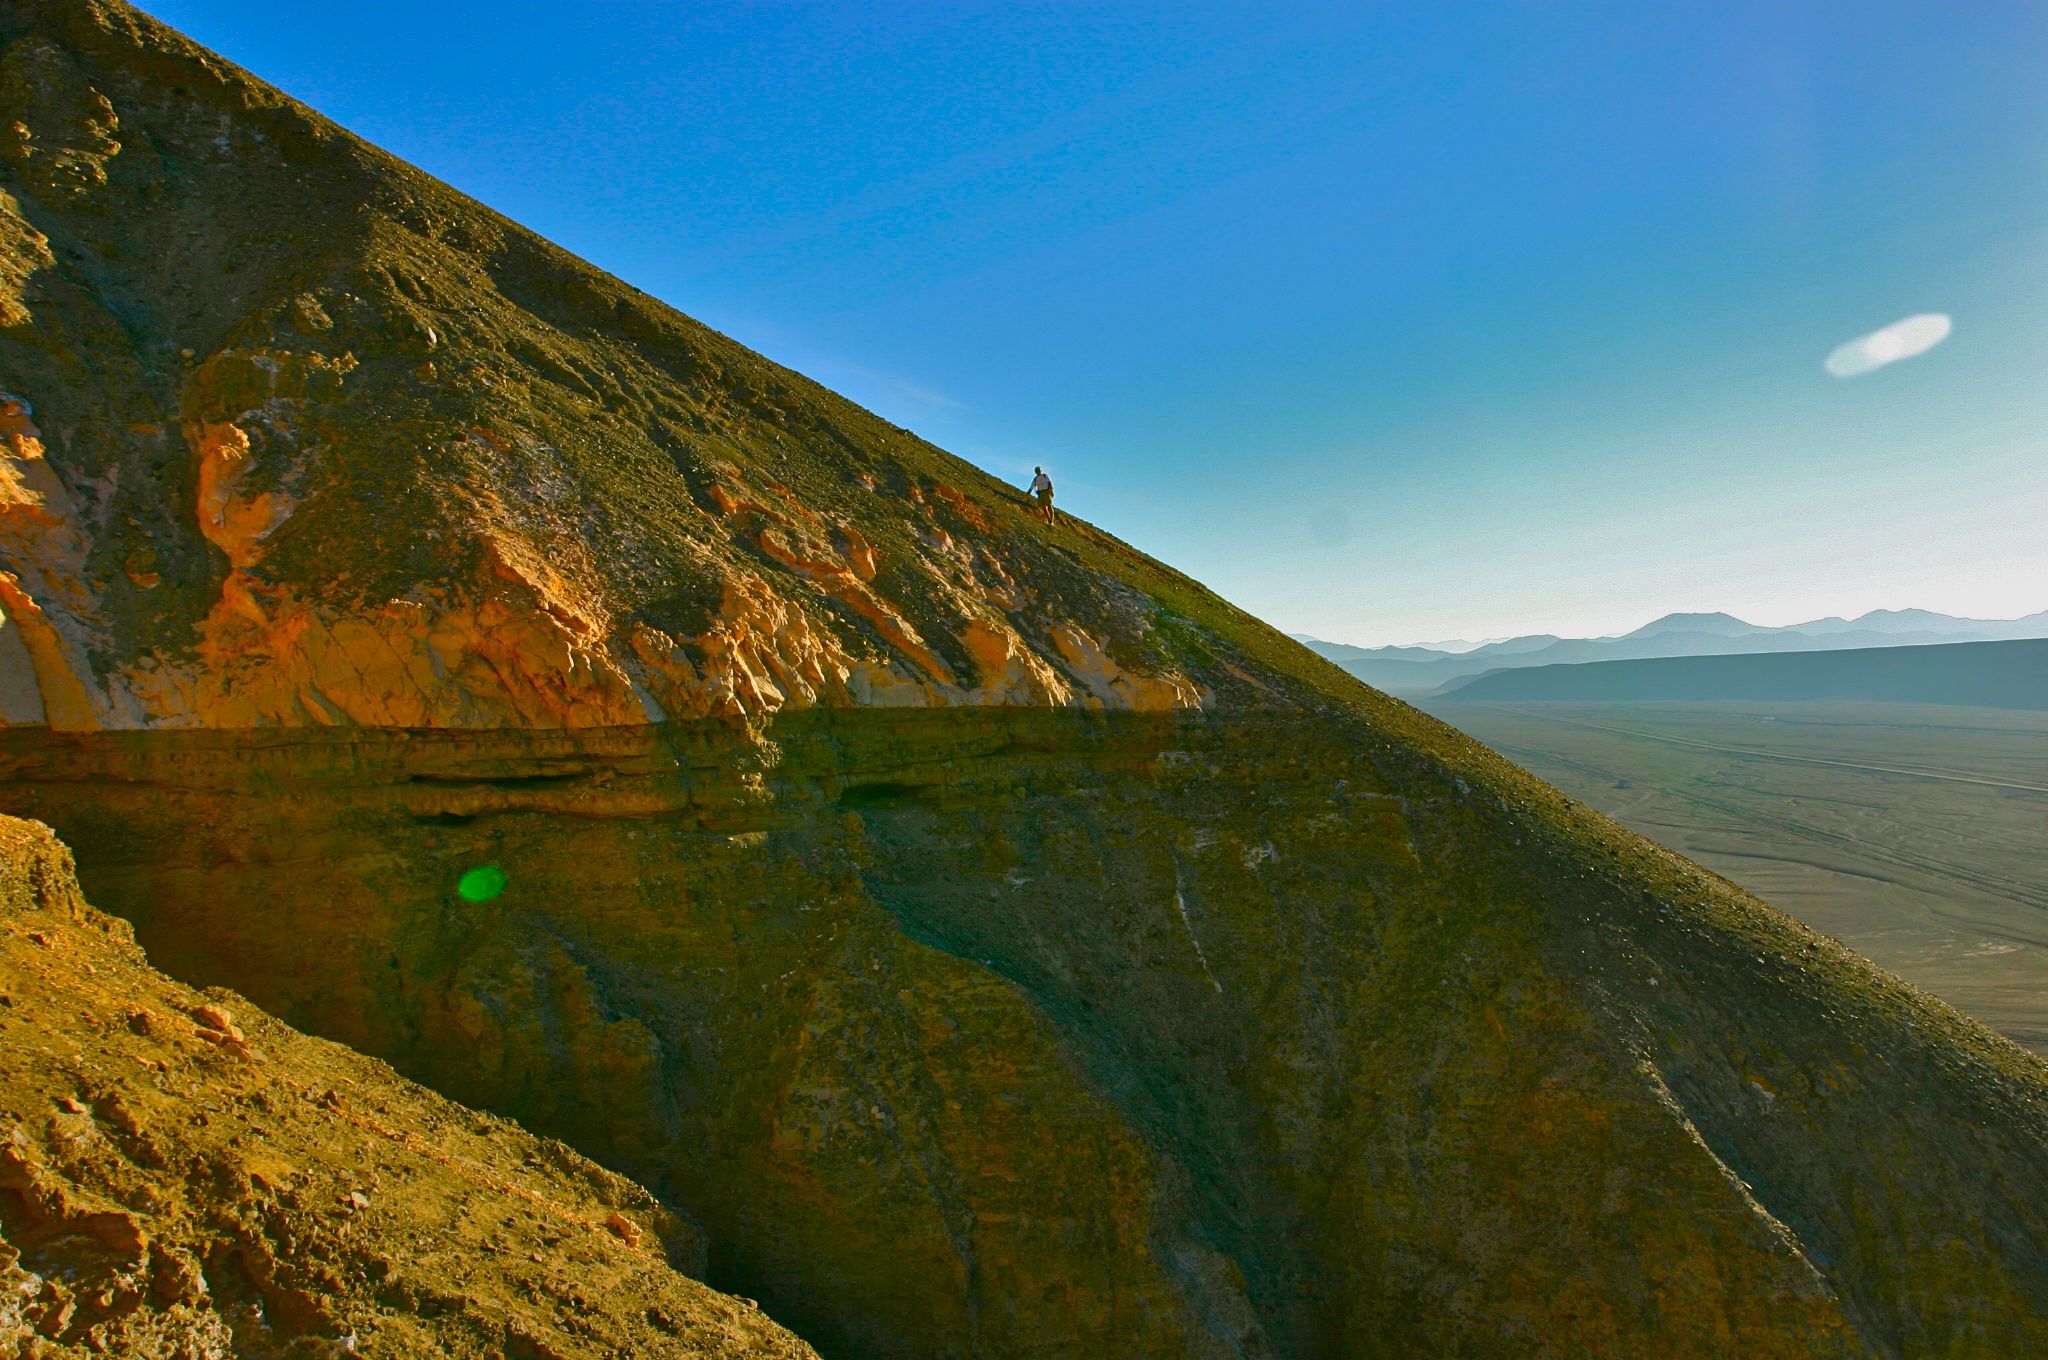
(522, 643)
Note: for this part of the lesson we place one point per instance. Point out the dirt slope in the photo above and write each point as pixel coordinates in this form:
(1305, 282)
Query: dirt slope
(180, 1175)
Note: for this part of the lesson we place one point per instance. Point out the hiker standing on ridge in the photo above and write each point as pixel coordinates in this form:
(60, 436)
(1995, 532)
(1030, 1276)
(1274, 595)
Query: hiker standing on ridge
(1041, 487)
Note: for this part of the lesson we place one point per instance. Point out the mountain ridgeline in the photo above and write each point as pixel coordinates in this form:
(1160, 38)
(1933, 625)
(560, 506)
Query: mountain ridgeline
(982, 938)
(1420, 671)
(1974, 674)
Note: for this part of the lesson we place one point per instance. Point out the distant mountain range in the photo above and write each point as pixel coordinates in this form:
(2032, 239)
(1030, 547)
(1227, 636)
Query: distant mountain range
(1977, 674)
(1428, 670)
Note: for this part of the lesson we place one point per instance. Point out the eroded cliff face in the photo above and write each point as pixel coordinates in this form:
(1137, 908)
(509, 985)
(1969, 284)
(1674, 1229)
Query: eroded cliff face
(292, 435)
(180, 1175)
(997, 943)
(1010, 1032)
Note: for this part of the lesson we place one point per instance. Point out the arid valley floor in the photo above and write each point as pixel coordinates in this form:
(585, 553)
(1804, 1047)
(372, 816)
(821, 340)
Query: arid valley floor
(1913, 833)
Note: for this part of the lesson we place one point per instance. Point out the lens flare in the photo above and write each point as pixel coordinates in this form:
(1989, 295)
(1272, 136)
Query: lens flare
(481, 884)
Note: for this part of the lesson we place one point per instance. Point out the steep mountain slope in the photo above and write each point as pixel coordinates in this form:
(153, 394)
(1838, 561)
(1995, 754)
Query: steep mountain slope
(338, 445)
(180, 1175)
(999, 945)
(1981, 674)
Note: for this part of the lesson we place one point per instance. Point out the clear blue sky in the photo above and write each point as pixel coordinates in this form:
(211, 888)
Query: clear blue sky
(1391, 322)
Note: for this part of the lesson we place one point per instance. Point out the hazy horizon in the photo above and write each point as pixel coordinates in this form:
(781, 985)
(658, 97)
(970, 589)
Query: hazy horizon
(1466, 644)
(1403, 322)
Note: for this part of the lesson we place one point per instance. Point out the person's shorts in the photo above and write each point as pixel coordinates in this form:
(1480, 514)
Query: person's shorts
(1045, 498)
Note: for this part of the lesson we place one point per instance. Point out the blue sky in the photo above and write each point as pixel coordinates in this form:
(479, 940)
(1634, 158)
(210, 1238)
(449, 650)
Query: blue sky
(1391, 322)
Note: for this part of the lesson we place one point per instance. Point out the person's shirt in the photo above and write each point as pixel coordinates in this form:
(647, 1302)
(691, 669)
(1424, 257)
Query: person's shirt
(1040, 483)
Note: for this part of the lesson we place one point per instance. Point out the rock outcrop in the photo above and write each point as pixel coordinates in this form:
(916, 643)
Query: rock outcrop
(355, 450)
(181, 1175)
(998, 945)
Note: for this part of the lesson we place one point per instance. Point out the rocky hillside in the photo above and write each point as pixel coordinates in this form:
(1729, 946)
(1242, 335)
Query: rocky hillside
(996, 943)
(181, 1175)
(292, 434)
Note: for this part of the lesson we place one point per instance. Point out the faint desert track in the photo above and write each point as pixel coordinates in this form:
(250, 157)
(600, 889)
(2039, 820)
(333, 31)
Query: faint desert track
(1877, 852)
(1947, 776)
(2017, 891)
(1917, 835)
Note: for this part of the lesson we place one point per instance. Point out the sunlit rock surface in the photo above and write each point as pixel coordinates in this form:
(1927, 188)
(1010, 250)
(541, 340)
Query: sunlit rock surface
(996, 943)
(339, 446)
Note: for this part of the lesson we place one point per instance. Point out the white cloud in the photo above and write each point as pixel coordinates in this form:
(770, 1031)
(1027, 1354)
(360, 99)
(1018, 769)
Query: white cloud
(1901, 340)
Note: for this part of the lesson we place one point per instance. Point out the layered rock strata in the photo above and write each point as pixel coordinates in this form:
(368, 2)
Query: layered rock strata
(1010, 1032)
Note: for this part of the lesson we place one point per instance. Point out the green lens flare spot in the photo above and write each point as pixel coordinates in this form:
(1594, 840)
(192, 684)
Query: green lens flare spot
(481, 884)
